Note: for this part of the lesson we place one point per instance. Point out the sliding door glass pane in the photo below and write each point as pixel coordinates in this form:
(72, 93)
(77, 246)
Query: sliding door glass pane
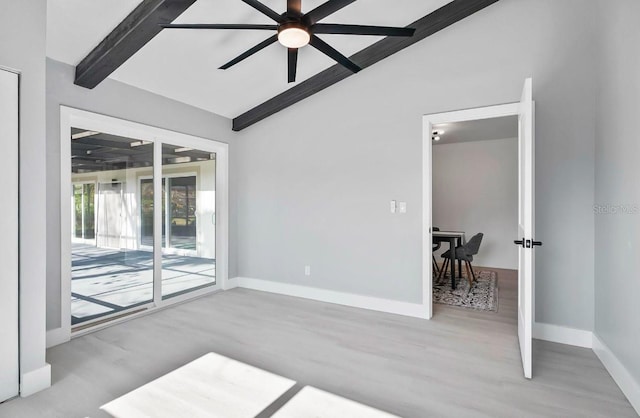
(112, 269)
(83, 211)
(146, 212)
(189, 234)
(182, 212)
(88, 211)
(77, 211)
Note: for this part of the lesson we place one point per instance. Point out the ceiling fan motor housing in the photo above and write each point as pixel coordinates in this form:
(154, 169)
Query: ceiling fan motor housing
(293, 34)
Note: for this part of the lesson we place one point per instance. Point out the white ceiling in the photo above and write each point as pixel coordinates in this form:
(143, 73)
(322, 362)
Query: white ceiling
(182, 64)
(478, 130)
(75, 27)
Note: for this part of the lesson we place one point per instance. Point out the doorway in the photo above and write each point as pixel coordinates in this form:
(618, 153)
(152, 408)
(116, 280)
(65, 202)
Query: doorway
(475, 200)
(523, 110)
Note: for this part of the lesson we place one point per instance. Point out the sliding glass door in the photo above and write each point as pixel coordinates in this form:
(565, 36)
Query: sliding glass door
(110, 274)
(181, 212)
(143, 226)
(84, 211)
(189, 236)
(146, 213)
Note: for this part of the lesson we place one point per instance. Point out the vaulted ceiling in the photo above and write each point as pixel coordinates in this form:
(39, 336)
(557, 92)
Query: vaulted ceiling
(183, 64)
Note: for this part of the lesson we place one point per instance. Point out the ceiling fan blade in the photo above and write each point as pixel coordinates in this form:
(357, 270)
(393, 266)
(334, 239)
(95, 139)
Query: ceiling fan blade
(262, 45)
(361, 30)
(325, 10)
(216, 26)
(294, 7)
(328, 50)
(292, 58)
(265, 10)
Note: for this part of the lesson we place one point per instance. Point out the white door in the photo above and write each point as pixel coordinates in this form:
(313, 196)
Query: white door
(526, 226)
(9, 243)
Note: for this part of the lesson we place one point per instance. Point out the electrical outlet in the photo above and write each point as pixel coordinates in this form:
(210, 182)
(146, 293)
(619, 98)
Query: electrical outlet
(307, 270)
(403, 207)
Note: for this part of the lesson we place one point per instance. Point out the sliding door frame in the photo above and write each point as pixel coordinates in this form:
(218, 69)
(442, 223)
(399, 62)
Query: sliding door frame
(71, 117)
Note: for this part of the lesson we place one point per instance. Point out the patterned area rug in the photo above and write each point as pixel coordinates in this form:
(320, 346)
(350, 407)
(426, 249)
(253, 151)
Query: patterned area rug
(483, 294)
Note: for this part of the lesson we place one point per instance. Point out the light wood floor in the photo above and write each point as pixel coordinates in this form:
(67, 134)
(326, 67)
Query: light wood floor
(460, 364)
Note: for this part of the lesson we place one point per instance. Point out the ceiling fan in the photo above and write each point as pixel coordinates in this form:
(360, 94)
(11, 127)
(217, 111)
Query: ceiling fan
(296, 29)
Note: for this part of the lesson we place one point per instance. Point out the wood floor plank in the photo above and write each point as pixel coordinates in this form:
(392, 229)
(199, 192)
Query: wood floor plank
(462, 363)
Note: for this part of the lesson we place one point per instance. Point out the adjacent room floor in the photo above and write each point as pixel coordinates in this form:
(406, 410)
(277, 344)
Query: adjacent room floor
(460, 364)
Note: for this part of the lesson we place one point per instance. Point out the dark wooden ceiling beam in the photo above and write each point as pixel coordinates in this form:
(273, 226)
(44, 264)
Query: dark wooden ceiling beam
(434, 22)
(138, 28)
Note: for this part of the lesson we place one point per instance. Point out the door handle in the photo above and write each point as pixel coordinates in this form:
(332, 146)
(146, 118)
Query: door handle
(527, 243)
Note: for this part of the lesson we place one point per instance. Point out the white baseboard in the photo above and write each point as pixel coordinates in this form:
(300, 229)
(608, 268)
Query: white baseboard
(562, 335)
(415, 310)
(230, 283)
(57, 336)
(627, 383)
(35, 381)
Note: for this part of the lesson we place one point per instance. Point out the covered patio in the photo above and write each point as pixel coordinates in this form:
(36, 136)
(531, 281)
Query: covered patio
(106, 281)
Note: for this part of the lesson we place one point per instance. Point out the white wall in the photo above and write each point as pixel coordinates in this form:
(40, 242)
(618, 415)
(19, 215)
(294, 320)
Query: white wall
(22, 47)
(314, 181)
(475, 189)
(126, 102)
(617, 220)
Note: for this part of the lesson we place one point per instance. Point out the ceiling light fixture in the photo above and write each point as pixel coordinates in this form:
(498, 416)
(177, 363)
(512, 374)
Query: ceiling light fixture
(84, 134)
(293, 35)
(138, 144)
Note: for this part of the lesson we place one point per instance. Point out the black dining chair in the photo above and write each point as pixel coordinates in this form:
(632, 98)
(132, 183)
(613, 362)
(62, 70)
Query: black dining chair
(435, 247)
(465, 253)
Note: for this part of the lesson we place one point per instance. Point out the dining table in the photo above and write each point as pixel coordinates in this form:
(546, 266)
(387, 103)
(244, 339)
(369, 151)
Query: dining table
(454, 238)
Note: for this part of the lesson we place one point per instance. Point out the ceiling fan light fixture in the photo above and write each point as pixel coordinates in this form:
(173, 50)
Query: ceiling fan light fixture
(293, 35)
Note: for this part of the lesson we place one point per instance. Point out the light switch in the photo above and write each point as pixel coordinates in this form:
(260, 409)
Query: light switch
(393, 206)
(403, 207)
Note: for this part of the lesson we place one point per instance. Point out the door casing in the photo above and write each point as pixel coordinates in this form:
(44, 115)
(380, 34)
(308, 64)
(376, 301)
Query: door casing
(487, 112)
(9, 248)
